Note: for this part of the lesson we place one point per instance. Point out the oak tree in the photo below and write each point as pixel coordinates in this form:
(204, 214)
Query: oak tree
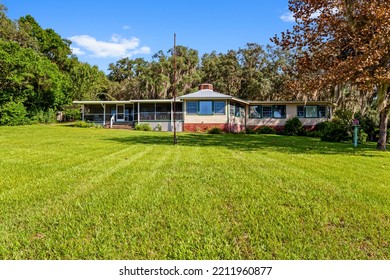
(342, 42)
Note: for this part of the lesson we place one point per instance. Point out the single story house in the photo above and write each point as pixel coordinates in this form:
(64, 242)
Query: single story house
(203, 109)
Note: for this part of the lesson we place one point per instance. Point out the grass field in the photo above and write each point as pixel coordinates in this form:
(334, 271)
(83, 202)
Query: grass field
(77, 193)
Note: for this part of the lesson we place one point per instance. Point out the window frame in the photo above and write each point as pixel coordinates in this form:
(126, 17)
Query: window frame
(213, 112)
(224, 107)
(272, 112)
(211, 107)
(196, 108)
(318, 111)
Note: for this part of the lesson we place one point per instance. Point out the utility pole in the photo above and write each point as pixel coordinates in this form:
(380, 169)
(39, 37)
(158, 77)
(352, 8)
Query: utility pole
(174, 90)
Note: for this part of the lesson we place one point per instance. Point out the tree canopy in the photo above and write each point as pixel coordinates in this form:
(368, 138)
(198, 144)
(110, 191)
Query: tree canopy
(341, 42)
(38, 72)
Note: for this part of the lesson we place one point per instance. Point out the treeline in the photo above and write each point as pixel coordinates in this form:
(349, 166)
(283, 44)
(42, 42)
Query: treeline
(39, 74)
(252, 72)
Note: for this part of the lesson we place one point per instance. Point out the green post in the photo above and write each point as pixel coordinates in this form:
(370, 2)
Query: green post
(355, 124)
(355, 136)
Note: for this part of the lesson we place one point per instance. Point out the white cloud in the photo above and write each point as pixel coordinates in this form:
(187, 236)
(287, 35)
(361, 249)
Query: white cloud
(117, 46)
(287, 17)
(125, 27)
(77, 51)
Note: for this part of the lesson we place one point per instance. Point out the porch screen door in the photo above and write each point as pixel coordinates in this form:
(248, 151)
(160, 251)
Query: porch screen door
(120, 113)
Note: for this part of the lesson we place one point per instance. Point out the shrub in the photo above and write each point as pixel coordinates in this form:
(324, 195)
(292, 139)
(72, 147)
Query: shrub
(319, 130)
(13, 113)
(143, 127)
(294, 127)
(266, 130)
(71, 115)
(369, 122)
(335, 132)
(249, 131)
(44, 117)
(362, 136)
(159, 127)
(215, 130)
(85, 124)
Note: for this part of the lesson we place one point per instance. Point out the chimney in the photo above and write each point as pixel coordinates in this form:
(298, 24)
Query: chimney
(206, 87)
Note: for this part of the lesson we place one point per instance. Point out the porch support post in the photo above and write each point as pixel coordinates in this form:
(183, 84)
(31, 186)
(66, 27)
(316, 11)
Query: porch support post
(133, 112)
(138, 115)
(228, 114)
(104, 115)
(83, 112)
(155, 111)
(172, 124)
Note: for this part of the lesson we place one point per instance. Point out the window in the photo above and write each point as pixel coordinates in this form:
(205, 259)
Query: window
(192, 107)
(321, 111)
(242, 111)
(312, 111)
(237, 110)
(255, 112)
(205, 107)
(219, 107)
(232, 109)
(267, 111)
(301, 111)
(279, 111)
(275, 111)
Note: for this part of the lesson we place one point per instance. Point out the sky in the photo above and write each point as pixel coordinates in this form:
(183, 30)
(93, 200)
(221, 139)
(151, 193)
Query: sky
(102, 32)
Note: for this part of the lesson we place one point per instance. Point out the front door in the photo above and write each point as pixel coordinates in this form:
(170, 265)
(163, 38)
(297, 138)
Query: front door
(120, 113)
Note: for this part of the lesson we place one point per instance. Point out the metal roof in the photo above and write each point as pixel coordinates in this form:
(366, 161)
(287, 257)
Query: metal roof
(202, 94)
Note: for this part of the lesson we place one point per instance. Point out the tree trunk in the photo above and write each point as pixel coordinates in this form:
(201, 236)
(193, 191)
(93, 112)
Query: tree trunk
(383, 108)
(384, 116)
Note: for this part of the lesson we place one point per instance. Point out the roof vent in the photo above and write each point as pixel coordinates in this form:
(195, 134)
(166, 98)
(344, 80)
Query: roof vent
(206, 87)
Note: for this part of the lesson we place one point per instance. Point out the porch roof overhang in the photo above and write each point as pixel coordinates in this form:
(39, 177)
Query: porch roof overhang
(96, 102)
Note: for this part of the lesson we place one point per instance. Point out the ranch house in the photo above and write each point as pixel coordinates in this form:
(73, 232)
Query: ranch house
(204, 109)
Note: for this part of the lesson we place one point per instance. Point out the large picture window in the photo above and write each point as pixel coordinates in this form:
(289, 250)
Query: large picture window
(205, 107)
(312, 111)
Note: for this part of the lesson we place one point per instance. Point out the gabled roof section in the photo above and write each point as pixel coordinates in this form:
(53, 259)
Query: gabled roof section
(205, 94)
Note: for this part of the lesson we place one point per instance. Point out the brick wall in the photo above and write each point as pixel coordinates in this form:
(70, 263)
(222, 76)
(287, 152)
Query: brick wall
(194, 127)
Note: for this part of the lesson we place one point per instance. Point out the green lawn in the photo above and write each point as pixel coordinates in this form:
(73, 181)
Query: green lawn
(79, 193)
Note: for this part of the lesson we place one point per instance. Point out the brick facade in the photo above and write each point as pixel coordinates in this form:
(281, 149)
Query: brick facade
(196, 127)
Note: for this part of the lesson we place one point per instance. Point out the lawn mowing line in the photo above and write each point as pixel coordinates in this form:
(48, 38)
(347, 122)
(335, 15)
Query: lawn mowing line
(68, 173)
(52, 208)
(90, 185)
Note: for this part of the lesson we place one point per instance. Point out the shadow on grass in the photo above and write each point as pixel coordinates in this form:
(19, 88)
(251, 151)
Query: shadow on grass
(242, 142)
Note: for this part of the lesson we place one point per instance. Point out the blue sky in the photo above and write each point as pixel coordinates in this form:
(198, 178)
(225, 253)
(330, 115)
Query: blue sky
(105, 31)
